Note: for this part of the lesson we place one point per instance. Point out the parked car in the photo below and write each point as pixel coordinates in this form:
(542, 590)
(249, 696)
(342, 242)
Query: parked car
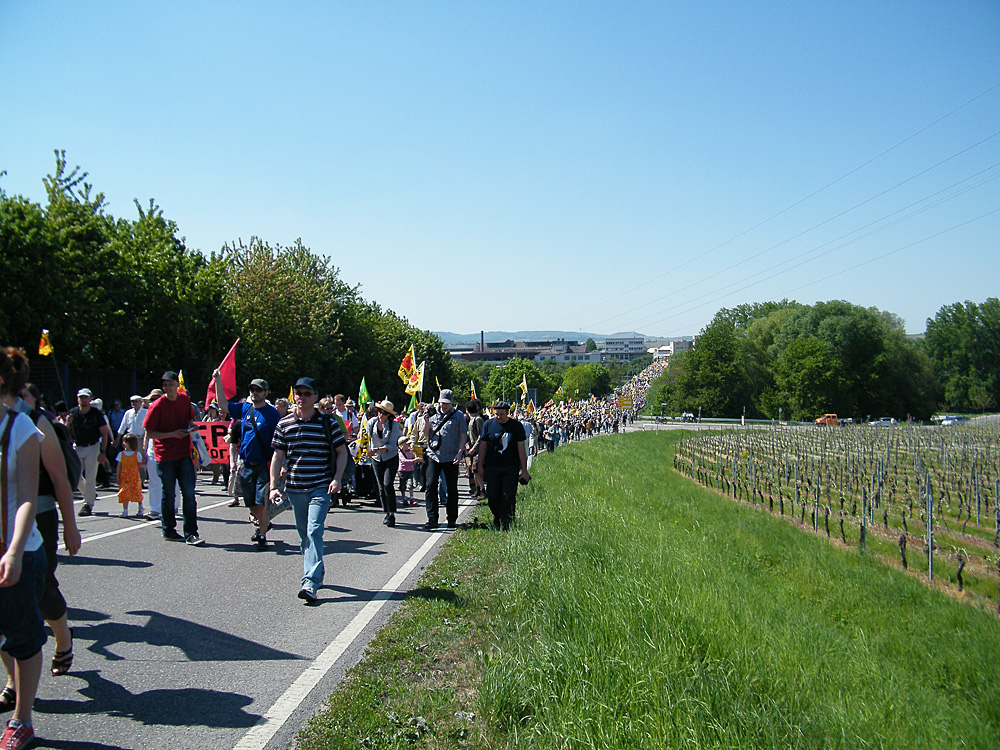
(687, 417)
(953, 420)
(884, 422)
(827, 419)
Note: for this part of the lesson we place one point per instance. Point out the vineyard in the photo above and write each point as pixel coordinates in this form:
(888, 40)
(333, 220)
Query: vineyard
(926, 497)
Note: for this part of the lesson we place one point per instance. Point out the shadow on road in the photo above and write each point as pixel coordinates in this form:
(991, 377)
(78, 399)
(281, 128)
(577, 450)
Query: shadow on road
(182, 707)
(199, 643)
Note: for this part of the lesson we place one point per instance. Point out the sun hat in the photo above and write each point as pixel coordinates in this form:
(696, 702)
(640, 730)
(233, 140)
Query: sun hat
(386, 406)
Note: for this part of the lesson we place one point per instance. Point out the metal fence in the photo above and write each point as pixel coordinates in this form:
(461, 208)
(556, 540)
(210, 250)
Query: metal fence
(58, 382)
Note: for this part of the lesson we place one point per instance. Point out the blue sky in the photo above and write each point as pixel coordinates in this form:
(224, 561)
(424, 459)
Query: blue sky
(576, 166)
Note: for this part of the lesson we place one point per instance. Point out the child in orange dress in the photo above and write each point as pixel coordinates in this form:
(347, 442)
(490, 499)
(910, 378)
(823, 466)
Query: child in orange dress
(129, 481)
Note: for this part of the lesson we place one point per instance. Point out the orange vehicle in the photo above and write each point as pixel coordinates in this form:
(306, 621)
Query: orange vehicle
(828, 419)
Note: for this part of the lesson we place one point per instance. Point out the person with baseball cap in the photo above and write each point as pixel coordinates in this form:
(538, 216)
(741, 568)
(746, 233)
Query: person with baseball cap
(91, 437)
(257, 419)
(312, 450)
(445, 435)
(169, 423)
(503, 462)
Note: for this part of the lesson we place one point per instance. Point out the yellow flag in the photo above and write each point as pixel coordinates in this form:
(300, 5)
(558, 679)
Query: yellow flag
(437, 382)
(291, 395)
(472, 388)
(180, 380)
(524, 386)
(416, 383)
(406, 367)
(44, 346)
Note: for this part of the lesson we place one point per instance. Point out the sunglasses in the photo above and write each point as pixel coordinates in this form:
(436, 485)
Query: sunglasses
(256, 389)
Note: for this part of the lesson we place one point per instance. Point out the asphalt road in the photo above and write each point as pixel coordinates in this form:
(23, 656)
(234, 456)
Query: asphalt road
(209, 647)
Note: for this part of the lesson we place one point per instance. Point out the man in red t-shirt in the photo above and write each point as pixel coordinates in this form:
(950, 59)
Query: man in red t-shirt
(169, 423)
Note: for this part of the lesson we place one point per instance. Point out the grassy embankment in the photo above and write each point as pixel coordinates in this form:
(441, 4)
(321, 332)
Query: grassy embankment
(633, 609)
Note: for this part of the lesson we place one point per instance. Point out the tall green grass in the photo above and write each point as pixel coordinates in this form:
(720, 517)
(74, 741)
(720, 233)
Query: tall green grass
(636, 610)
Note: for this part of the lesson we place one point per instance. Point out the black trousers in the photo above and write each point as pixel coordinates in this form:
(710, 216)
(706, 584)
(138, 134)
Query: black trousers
(434, 472)
(385, 478)
(501, 493)
(52, 604)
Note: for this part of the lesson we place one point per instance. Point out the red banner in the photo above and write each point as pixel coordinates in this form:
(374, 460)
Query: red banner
(214, 435)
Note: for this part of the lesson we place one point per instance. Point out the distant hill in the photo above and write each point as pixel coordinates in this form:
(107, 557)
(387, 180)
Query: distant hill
(467, 339)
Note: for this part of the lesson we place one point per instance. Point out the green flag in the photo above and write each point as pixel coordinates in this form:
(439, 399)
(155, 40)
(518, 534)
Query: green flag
(363, 397)
(413, 402)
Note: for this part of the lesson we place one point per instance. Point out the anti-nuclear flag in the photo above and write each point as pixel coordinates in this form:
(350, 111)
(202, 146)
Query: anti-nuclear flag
(407, 367)
(531, 407)
(559, 391)
(413, 402)
(472, 388)
(363, 397)
(524, 386)
(416, 384)
(44, 346)
(180, 379)
(291, 395)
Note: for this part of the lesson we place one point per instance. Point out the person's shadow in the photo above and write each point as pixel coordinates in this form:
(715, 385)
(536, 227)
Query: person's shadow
(198, 642)
(178, 707)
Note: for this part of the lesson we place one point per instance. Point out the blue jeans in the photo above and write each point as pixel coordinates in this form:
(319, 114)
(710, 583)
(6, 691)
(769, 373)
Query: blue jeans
(181, 471)
(310, 509)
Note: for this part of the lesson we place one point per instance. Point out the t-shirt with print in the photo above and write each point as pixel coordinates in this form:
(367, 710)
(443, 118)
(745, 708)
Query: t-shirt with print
(266, 418)
(501, 443)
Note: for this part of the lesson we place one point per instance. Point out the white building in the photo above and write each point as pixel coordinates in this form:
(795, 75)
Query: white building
(624, 346)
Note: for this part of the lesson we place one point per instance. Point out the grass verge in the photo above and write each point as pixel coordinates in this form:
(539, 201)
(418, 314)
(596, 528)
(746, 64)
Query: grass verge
(633, 609)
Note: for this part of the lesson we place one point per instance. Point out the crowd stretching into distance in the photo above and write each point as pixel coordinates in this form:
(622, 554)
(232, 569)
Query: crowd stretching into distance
(308, 454)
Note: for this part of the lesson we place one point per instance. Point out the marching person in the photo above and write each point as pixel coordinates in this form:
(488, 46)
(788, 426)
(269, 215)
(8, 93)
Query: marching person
(257, 419)
(503, 462)
(445, 434)
(91, 436)
(312, 450)
(22, 558)
(383, 440)
(169, 423)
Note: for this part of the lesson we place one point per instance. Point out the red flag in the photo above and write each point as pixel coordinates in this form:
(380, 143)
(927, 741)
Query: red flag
(228, 370)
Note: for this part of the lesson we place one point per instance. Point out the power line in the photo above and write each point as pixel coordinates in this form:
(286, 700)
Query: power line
(826, 221)
(784, 210)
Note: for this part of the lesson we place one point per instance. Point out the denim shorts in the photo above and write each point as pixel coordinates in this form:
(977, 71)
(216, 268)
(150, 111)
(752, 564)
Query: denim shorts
(21, 623)
(255, 482)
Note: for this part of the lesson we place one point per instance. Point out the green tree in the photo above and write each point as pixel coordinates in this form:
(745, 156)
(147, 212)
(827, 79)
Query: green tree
(591, 345)
(505, 379)
(963, 343)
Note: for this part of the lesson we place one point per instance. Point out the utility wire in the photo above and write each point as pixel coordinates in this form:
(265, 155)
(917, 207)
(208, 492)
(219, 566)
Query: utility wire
(784, 210)
(837, 239)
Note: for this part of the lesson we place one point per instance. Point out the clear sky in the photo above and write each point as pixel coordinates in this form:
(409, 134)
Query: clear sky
(581, 166)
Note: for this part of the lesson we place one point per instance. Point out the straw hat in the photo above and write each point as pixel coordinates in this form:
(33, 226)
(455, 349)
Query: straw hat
(386, 406)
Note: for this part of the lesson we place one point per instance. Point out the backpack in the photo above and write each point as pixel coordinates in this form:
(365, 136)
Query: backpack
(74, 468)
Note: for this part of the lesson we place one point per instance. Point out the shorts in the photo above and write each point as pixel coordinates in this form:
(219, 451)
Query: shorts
(255, 481)
(21, 623)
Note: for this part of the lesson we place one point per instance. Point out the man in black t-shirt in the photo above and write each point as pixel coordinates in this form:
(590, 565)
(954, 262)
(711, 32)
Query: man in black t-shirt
(503, 462)
(91, 436)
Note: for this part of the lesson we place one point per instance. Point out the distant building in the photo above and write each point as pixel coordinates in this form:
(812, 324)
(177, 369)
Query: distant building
(671, 348)
(559, 350)
(624, 347)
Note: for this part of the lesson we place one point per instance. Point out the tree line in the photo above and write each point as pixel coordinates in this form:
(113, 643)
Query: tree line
(119, 293)
(789, 360)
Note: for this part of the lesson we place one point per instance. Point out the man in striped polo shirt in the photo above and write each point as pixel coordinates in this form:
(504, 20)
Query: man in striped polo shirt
(311, 448)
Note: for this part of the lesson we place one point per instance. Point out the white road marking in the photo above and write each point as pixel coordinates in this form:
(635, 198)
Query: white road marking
(135, 527)
(276, 716)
